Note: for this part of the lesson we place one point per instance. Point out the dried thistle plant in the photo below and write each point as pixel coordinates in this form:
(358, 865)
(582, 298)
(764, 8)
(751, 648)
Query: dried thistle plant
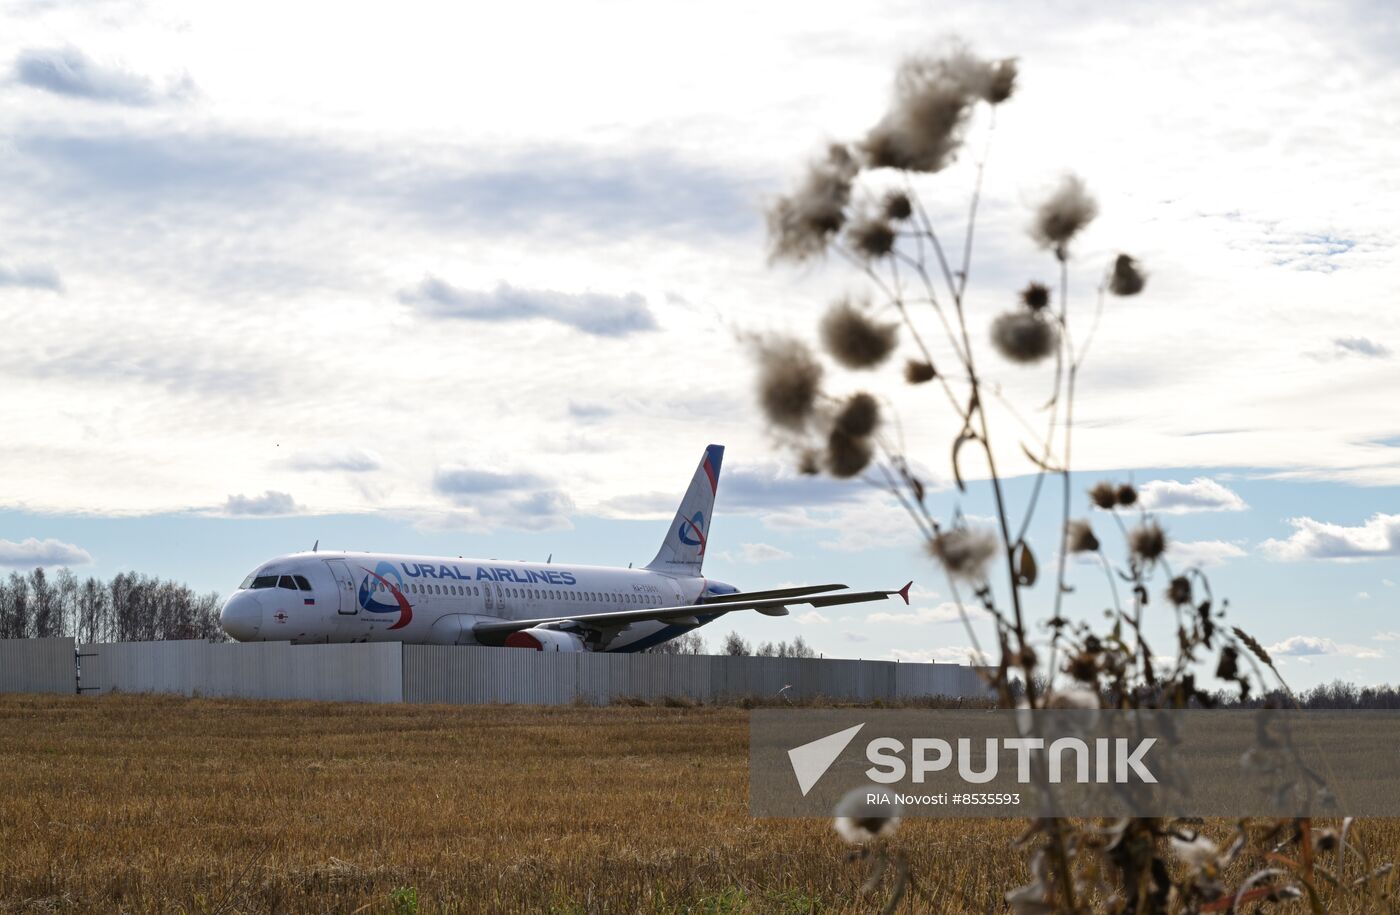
(918, 285)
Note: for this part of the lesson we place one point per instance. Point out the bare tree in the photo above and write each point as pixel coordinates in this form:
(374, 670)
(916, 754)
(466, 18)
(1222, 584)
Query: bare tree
(735, 646)
(689, 643)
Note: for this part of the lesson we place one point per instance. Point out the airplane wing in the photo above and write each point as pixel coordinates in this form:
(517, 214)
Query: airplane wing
(494, 633)
(777, 592)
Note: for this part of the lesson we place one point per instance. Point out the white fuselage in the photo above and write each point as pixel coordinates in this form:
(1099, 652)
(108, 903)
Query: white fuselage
(377, 597)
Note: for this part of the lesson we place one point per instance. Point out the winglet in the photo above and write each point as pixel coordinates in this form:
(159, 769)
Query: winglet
(904, 592)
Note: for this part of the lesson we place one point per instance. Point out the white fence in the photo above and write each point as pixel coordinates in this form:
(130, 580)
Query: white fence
(461, 674)
(257, 670)
(390, 672)
(37, 666)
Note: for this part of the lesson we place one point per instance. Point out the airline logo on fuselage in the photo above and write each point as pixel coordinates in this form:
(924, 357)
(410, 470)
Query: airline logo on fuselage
(446, 572)
(388, 576)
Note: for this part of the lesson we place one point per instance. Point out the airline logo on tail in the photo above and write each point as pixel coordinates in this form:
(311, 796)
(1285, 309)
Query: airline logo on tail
(696, 523)
(368, 593)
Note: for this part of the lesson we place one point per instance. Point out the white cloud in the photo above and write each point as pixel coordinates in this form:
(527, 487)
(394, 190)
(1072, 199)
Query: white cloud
(349, 460)
(1203, 553)
(810, 617)
(1387, 582)
(269, 503)
(70, 72)
(1363, 595)
(1378, 537)
(593, 313)
(946, 612)
(30, 276)
(491, 499)
(1172, 497)
(1360, 347)
(32, 552)
(944, 654)
(760, 552)
(1386, 637)
(1305, 646)
(854, 636)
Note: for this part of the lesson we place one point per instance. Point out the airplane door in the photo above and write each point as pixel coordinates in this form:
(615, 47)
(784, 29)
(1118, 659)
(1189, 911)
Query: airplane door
(345, 583)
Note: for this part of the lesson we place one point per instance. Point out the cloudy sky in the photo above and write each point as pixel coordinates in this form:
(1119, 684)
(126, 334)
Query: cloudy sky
(402, 278)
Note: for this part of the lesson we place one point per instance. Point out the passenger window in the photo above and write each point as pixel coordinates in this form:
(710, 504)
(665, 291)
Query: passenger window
(302, 583)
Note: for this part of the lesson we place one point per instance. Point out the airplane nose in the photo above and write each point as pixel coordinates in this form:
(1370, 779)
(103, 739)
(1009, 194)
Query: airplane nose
(241, 616)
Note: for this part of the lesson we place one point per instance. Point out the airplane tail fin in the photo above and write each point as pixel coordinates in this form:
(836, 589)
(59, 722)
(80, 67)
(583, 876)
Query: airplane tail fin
(683, 550)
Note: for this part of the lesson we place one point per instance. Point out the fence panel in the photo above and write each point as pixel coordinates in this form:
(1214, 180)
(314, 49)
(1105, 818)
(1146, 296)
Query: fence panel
(474, 674)
(260, 670)
(38, 666)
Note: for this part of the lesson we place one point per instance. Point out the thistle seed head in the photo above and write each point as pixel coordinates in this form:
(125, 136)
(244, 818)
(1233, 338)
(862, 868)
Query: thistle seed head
(1198, 853)
(1179, 591)
(847, 455)
(789, 378)
(1002, 81)
(897, 206)
(1024, 336)
(923, 129)
(859, 821)
(1148, 541)
(800, 224)
(1035, 296)
(871, 238)
(917, 372)
(1063, 214)
(854, 339)
(1080, 538)
(1104, 495)
(964, 552)
(1128, 278)
(859, 415)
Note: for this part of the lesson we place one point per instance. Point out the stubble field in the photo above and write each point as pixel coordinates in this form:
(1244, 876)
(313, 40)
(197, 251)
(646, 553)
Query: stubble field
(171, 805)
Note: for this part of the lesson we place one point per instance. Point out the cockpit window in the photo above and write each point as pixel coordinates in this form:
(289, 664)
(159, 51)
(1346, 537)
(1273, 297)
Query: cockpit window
(302, 583)
(247, 582)
(265, 581)
(286, 582)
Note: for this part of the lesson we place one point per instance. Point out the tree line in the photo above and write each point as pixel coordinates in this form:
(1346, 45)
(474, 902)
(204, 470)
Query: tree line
(131, 607)
(734, 645)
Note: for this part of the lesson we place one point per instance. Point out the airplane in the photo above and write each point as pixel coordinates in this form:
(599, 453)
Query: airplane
(321, 596)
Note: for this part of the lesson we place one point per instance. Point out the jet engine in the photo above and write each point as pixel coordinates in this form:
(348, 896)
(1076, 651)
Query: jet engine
(545, 640)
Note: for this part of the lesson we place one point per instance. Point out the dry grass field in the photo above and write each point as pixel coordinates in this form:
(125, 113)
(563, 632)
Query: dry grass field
(171, 805)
